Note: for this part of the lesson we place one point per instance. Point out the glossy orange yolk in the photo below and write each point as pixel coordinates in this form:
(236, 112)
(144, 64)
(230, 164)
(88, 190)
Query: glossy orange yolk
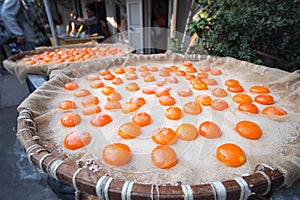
(231, 82)
(129, 130)
(71, 86)
(91, 110)
(192, 108)
(248, 107)
(219, 104)
(248, 129)
(264, 99)
(235, 88)
(184, 92)
(67, 105)
(100, 120)
(140, 101)
(173, 112)
(89, 100)
(259, 89)
(273, 110)
(70, 119)
(241, 98)
(231, 155)
(116, 154)
(82, 93)
(142, 119)
(76, 139)
(187, 132)
(129, 107)
(107, 90)
(167, 100)
(164, 157)
(209, 130)
(97, 84)
(219, 92)
(204, 99)
(164, 136)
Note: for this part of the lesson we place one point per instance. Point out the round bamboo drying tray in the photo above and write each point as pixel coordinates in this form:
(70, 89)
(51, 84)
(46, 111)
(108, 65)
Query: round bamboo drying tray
(260, 183)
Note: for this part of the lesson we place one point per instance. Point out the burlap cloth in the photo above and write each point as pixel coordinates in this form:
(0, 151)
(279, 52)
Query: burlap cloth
(15, 66)
(278, 148)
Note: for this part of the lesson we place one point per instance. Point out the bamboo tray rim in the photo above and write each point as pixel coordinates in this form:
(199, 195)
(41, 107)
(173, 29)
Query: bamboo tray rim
(263, 180)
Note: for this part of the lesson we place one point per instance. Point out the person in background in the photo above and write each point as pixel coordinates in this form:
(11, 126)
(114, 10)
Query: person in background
(15, 15)
(39, 23)
(92, 23)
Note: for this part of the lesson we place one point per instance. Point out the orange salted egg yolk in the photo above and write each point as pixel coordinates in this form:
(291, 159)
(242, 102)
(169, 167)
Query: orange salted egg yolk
(142, 119)
(235, 88)
(91, 110)
(164, 157)
(248, 107)
(259, 89)
(249, 130)
(116, 154)
(97, 84)
(115, 96)
(161, 90)
(112, 105)
(164, 136)
(89, 100)
(92, 77)
(216, 72)
(190, 76)
(104, 72)
(187, 63)
(77, 139)
(219, 104)
(264, 99)
(167, 100)
(273, 110)
(219, 92)
(187, 132)
(82, 93)
(109, 77)
(203, 99)
(181, 73)
(117, 81)
(119, 70)
(129, 107)
(231, 155)
(200, 86)
(67, 105)
(129, 130)
(100, 120)
(149, 78)
(71, 86)
(107, 90)
(173, 112)
(148, 89)
(70, 119)
(140, 101)
(209, 130)
(192, 108)
(210, 81)
(191, 69)
(231, 82)
(241, 98)
(132, 87)
(184, 92)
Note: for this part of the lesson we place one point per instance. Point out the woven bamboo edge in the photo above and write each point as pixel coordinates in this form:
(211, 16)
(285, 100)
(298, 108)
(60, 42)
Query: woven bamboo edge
(261, 182)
